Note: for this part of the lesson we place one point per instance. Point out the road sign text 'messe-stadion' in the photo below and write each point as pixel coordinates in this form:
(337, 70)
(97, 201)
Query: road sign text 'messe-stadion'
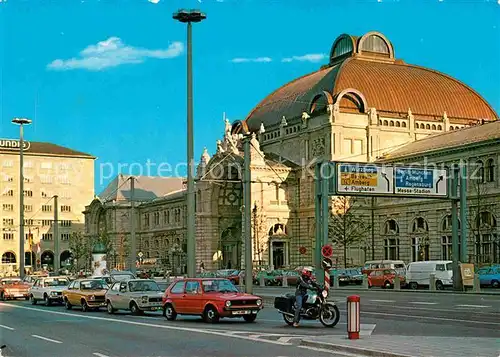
(358, 178)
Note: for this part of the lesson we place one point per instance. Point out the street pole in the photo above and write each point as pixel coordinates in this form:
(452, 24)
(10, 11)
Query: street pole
(133, 243)
(191, 219)
(57, 264)
(464, 233)
(457, 283)
(247, 213)
(373, 228)
(21, 122)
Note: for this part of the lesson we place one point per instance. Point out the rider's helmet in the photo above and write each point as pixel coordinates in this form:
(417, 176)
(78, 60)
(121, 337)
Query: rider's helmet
(307, 273)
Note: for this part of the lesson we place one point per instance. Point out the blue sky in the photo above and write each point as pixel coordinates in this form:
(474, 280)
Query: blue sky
(125, 102)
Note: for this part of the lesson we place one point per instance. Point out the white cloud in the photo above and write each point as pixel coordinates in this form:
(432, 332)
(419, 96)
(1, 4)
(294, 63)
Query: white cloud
(154, 1)
(311, 57)
(254, 60)
(112, 53)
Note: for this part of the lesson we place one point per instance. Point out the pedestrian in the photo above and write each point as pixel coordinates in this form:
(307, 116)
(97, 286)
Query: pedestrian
(305, 283)
(202, 267)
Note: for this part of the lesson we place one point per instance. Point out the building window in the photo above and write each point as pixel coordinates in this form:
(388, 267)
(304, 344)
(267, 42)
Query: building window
(46, 222)
(64, 180)
(28, 193)
(420, 248)
(28, 208)
(28, 164)
(65, 208)
(44, 194)
(478, 173)
(65, 223)
(146, 220)
(65, 236)
(46, 165)
(66, 195)
(391, 249)
(9, 193)
(420, 224)
(7, 178)
(8, 236)
(156, 218)
(46, 208)
(490, 170)
(165, 217)
(29, 222)
(46, 179)
(8, 163)
(8, 207)
(487, 244)
(47, 236)
(391, 227)
(65, 166)
(8, 258)
(8, 221)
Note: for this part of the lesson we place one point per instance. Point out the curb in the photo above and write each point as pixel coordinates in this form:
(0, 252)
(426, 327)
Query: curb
(350, 349)
(486, 293)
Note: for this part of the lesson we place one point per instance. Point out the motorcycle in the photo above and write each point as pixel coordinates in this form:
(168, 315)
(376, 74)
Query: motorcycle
(314, 307)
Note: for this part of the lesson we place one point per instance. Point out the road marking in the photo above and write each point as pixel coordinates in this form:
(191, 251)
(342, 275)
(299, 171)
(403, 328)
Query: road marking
(99, 354)
(367, 329)
(286, 339)
(431, 318)
(46, 339)
(7, 327)
(137, 323)
(423, 303)
(478, 306)
(383, 300)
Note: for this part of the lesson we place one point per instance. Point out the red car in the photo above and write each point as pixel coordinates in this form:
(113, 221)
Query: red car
(384, 278)
(210, 298)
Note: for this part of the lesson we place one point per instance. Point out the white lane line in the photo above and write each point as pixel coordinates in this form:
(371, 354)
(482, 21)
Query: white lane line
(474, 306)
(137, 323)
(99, 354)
(423, 303)
(367, 329)
(383, 300)
(286, 339)
(45, 339)
(7, 327)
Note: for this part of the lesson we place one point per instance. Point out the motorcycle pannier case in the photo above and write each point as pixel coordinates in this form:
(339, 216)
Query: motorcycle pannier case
(283, 303)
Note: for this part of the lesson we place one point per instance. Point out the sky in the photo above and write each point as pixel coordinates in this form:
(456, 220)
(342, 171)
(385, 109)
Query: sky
(109, 77)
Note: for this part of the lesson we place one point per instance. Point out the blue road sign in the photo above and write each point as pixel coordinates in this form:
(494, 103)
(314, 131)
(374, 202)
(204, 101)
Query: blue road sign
(416, 181)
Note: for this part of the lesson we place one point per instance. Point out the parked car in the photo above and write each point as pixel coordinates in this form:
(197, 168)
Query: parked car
(348, 276)
(13, 288)
(48, 289)
(371, 265)
(30, 279)
(292, 277)
(490, 276)
(210, 298)
(87, 293)
(384, 278)
(137, 296)
(418, 273)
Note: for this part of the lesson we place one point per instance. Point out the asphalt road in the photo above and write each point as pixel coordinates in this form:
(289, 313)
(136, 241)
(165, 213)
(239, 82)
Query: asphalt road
(419, 314)
(53, 331)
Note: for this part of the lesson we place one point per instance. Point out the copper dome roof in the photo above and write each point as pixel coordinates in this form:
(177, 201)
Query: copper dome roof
(365, 66)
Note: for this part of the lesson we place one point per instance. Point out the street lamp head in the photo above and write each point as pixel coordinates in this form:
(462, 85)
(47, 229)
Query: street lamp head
(192, 15)
(21, 121)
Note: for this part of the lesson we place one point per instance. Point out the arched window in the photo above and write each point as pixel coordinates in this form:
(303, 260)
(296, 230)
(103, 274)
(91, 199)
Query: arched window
(8, 258)
(422, 126)
(490, 170)
(440, 127)
(391, 249)
(478, 173)
(420, 245)
(428, 127)
(398, 124)
(433, 126)
(386, 122)
(487, 245)
(391, 227)
(404, 125)
(452, 128)
(420, 225)
(374, 43)
(391, 123)
(447, 239)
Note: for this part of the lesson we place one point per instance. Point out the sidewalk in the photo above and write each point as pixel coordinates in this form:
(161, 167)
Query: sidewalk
(408, 346)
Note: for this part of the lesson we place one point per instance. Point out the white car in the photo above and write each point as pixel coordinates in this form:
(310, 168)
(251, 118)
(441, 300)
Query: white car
(48, 289)
(137, 295)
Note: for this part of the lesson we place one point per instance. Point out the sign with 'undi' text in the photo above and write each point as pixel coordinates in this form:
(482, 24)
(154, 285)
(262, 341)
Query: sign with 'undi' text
(10, 144)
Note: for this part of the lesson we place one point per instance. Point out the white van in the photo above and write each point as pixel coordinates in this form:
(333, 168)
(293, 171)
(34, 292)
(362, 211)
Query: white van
(397, 265)
(418, 273)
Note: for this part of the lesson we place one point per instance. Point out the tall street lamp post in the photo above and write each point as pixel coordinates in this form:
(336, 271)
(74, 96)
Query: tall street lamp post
(21, 122)
(190, 16)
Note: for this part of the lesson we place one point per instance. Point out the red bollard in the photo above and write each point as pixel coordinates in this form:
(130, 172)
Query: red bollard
(353, 324)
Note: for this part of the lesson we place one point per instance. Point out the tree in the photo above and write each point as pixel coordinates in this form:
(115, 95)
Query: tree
(80, 251)
(347, 226)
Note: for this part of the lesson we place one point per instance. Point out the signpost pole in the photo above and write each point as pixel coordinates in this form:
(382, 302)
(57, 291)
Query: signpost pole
(325, 176)
(319, 228)
(463, 215)
(454, 231)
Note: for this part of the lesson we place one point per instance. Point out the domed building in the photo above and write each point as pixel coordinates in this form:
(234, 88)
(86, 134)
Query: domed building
(363, 105)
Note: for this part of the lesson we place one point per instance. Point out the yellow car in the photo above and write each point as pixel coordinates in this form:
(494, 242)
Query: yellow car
(87, 293)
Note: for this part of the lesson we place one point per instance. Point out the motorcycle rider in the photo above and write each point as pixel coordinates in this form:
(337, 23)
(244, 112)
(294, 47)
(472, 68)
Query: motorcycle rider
(306, 282)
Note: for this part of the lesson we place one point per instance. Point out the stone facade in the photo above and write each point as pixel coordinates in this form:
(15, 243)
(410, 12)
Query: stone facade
(321, 116)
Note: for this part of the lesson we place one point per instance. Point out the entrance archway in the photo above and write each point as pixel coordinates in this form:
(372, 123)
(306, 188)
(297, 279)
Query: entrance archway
(278, 246)
(66, 258)
(47, 258)
(231, 248)
(9, 258)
